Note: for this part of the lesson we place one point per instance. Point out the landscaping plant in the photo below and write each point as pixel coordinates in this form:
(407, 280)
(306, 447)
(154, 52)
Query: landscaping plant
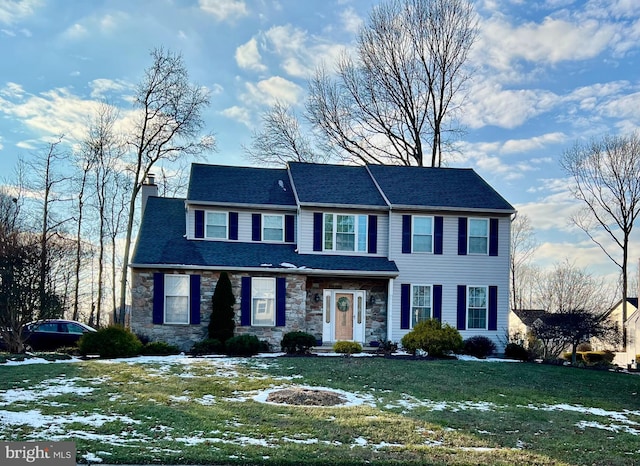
(433, 337)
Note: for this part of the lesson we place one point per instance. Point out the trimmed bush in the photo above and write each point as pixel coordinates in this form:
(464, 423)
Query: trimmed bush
(479, 346)
(207, 346)
(110, 342)
(584, 346)
(243, 345)
(222, 322)
(347, 347)
(433, 337)
(297, 342)
(591, 358)
(159, 348)
(515, 351)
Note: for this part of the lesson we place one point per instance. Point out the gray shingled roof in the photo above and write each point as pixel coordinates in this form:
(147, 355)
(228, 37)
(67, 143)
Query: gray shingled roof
(437, 187)
(240, 185)
(320, 184)
(161, 241)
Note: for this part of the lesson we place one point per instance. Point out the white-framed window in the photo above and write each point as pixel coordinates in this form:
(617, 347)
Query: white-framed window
(272, 227)
(477, 299)
(217, 225)
(176, 299)
(478, 236)
(263, 301)
(421, 303)
(422, 231)
(345, 232)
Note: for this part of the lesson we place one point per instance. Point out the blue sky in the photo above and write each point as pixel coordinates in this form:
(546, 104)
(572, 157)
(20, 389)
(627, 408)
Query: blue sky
(547, 73)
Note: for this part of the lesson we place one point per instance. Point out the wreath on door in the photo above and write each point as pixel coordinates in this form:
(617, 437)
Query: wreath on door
(343, 304)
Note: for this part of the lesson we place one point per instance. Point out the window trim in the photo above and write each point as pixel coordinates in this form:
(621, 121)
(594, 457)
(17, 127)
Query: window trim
(165, 296)
(274, 299)
(226, 224)
(487, 237)
(263, 227)
(413, 233)
(486, 308)
(411, 296)
(360, 232)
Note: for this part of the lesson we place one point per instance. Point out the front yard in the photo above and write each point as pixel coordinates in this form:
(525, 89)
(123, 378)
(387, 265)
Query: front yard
(181, 410)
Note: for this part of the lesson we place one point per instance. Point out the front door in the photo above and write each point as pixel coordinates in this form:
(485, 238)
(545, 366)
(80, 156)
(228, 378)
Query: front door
(344, 315)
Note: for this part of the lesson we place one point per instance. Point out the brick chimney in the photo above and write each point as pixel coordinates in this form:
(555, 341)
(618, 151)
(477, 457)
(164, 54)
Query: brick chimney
(149, 188)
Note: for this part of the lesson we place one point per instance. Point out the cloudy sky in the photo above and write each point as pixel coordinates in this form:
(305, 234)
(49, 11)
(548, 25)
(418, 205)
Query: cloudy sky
(547, 73)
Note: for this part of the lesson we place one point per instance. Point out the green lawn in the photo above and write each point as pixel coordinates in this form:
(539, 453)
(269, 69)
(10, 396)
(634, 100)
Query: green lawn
(198, 411)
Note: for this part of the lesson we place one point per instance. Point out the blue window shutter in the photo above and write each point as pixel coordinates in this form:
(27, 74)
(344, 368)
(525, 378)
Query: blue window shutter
(406, 235)
(158, 298)
(405, 306)
(256, 227)
(372, 234)
(493, 308)
(462, 236)
(289, 228)
(233, 225)
(199, 224)
(493, 237)
(437, 302)
(245, 302)
(462, 307)
(194, 295)
(281, 301)
(437, 237)
(317, 231)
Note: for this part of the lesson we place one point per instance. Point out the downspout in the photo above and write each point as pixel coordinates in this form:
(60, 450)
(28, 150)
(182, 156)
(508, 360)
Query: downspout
(389, 308)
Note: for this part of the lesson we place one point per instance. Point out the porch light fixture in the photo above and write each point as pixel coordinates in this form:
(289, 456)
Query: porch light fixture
(317, 298)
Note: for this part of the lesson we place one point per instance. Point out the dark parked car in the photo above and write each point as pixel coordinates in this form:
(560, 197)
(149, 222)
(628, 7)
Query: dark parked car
(45, 335)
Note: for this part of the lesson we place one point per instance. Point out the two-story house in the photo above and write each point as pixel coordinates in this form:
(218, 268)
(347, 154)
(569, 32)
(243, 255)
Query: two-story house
(357, 253)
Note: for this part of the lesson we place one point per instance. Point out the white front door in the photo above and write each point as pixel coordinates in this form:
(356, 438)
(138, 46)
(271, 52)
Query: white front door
(343, 316)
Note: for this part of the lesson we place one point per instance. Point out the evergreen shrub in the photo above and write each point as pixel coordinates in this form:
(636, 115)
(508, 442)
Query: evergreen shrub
(347, 347)
(516, 351)
(297, 342)
(433, 337)
(159, 348)
(243, 345)
(207, 346)
(222, 322)
(479, 346)
(110, 342)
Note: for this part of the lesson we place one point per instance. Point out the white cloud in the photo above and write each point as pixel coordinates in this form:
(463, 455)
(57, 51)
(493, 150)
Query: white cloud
(12, 11)
(351, 21)
(224, 10)
(248, 56)
(272, 90)
(75, 32)
(237, 113)
(536, 142)
(101, 87)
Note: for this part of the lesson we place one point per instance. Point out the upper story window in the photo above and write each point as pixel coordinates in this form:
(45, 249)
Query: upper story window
(477, 307)
(478, 236)
(216, 225)
(422, 229)
(176, 299)
(345, 232)
(273, 227)
(420, 303)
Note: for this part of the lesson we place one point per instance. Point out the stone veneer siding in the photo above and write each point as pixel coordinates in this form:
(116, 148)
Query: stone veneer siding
(302, 312)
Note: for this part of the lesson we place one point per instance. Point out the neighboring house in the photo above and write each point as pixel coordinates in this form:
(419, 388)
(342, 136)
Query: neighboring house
(357, 253)
(615, 315)
(522, 322)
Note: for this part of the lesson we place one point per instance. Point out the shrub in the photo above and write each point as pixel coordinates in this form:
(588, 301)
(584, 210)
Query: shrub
(347, 347)
(479, 346)
(297, 342)
(222, 322)
(515, 351)
(110, 342)
(597, 357)
(207, 346)
(159, 348)
(387, 347)
(433, 337)
(584, 346)
(637, 358)
(243, 345)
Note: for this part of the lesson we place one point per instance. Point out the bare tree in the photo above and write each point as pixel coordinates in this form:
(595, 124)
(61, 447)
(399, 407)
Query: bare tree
(606, 175)
(523, 246)
(281, 139)
(395, 99)
(169, 127)
(577, 305)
